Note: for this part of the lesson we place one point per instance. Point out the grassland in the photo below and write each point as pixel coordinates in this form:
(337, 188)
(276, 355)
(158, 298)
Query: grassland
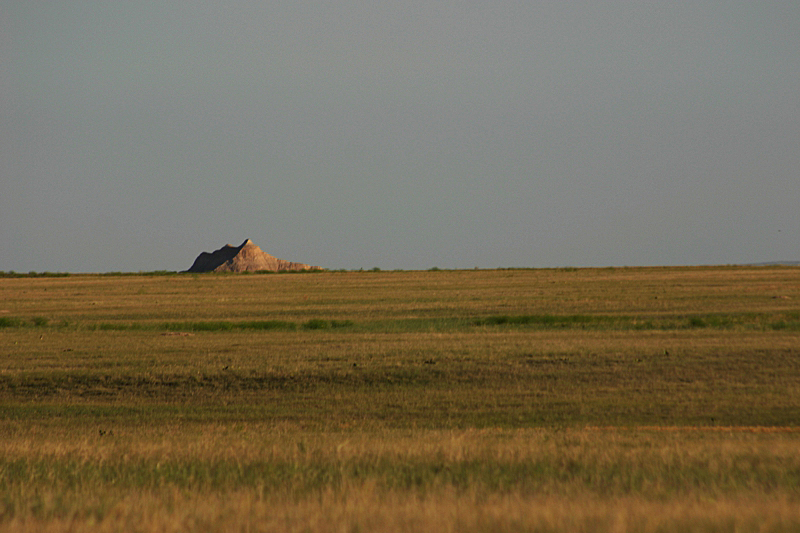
(635, 399)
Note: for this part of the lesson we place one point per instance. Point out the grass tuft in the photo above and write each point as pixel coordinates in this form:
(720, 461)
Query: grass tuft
(316, 323)
(10, 322)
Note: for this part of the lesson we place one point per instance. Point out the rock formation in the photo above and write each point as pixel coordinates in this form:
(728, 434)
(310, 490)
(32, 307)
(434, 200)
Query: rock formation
(245, 258)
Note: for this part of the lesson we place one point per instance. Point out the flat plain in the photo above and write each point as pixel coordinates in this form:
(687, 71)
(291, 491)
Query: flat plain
(624, 399)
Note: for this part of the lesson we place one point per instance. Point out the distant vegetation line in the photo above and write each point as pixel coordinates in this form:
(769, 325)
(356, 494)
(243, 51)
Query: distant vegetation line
(47, 274)
(789, 321)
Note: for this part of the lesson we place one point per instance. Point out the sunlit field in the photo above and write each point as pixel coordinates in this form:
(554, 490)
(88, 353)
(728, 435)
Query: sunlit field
(627, 399)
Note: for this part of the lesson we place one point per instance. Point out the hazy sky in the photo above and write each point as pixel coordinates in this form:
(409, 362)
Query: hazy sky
(399, 134)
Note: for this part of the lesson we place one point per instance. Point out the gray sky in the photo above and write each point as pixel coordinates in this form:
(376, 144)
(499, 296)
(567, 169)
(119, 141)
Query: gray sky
(399, 134)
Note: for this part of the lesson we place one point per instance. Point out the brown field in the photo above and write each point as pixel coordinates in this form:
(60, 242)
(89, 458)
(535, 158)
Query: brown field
(627, 399)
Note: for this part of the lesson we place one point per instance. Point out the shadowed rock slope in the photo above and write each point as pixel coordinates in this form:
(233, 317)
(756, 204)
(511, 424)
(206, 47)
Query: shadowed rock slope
(245, 258)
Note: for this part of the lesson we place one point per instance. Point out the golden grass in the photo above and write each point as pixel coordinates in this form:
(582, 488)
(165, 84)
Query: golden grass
(362, 509)
(642, 399)
(585, 480)
(405, 294)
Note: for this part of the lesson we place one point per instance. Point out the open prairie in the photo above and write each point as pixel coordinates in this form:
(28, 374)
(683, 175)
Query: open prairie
(627, 399)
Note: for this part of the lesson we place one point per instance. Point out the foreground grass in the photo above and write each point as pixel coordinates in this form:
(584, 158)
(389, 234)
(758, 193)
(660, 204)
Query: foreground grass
(556, 400)
(362, 509)
(262, 477)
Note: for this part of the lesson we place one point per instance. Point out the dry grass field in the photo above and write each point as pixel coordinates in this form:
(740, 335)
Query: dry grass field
(627, 399)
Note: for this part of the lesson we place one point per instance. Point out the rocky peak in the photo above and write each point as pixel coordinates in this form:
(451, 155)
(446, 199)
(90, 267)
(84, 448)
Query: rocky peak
(244, 258)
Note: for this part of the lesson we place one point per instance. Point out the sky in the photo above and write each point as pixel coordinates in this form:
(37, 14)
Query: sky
(404, 134)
